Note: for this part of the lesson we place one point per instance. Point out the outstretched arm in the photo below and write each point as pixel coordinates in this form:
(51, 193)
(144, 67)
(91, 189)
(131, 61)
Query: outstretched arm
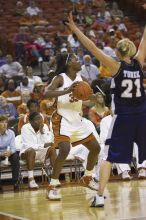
(109, 62)
(52, 90)
(141, 53)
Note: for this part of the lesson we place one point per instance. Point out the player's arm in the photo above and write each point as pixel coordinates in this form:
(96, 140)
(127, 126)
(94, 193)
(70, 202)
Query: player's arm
(52, 90)
(110, 63)
(141, 53)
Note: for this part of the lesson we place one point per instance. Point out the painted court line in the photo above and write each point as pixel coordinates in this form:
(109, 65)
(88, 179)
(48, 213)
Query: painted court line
(135, 218)
(4, 215)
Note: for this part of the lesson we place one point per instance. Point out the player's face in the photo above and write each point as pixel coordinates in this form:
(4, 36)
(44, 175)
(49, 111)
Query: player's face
(74, 63)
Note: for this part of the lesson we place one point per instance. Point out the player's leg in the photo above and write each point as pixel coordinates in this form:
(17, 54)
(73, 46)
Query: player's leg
(64, 148)
(94, 149)
(120, 142)
(140, 140)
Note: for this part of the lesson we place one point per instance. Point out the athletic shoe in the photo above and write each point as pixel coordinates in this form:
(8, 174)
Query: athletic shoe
(52, 193)
(126, 176)
(98, 201)
(45, 172)
(142, 174)
(33, 185)
(89, 182)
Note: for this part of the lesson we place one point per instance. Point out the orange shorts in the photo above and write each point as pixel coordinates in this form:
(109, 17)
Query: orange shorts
(76, 133)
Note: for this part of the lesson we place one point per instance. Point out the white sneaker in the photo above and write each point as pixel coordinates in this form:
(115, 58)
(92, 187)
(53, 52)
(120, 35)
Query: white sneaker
(98, 201)
(126, 176)
(52, 193)
(33, 185)
(142, 174)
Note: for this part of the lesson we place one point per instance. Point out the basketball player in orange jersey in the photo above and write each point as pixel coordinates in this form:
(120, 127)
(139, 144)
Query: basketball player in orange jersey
(68, 125)
(128, 103)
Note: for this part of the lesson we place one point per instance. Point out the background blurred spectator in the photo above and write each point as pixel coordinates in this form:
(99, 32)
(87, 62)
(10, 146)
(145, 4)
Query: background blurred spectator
(11, 68)
(32, 9)
(11, 94)
(89, 70)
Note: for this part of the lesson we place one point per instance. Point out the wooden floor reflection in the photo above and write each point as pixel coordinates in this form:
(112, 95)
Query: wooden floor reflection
(124, 200)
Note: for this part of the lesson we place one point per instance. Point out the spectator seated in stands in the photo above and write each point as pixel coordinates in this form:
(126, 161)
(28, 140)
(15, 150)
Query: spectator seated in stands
(19, 9)
(20, 39)
(104, 15)
(33, 50)
(115, 11)
(32, 9)
(89, 70)
(22, 108)
(25, 85)
(7, 109)
(39, 39)
(11, 68)
(11, 94)
(8, 150)
(98, 111)
(37, 144)
(120, 25)
(31, 77)
(32, 106)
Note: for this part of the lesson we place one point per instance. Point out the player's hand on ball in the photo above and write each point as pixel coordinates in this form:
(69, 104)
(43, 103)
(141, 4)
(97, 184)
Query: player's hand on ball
(72, 87)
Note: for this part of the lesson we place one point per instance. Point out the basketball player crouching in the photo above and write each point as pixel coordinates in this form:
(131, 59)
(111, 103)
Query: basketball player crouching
(68, 126)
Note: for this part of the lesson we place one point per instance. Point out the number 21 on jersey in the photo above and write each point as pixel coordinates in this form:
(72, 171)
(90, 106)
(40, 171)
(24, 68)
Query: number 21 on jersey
(129, 84)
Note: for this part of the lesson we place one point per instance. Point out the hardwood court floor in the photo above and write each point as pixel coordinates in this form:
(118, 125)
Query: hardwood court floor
(124, 200)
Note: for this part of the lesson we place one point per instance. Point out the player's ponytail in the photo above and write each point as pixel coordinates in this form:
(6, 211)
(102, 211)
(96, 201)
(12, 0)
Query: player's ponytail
(126, 48)
(61, 66)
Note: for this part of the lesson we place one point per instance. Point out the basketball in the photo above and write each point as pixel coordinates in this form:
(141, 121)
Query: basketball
(82, 91)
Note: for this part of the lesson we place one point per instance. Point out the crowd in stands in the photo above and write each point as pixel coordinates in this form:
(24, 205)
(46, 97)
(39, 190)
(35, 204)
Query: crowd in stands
(38, 40)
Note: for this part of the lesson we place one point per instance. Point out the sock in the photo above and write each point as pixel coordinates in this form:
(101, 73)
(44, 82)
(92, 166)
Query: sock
(54, 182)
(30, 174)
(88, 172)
